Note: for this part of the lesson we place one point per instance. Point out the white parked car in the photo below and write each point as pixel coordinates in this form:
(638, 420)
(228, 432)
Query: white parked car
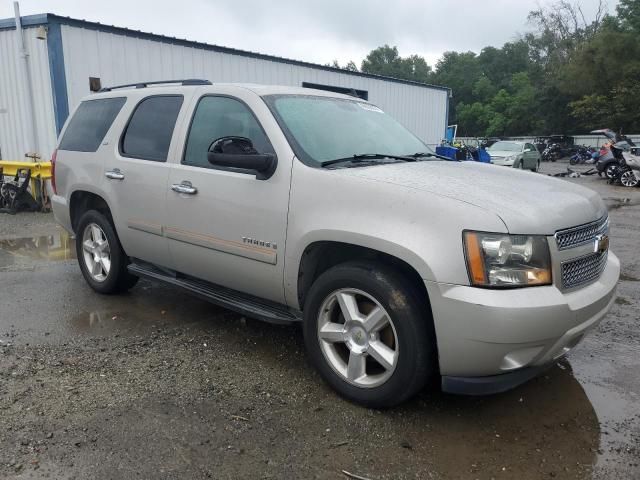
(515, 154)
(301, 206)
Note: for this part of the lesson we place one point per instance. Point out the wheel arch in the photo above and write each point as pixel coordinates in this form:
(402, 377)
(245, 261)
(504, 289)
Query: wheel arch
(81, 201)
(320, 255)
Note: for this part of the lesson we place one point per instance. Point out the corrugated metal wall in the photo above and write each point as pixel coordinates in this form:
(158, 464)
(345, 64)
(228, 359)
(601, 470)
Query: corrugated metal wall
(15, 125)
(119, 59)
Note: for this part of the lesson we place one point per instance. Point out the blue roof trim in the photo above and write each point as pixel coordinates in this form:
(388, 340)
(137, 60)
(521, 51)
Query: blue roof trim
(27, 21)
(34, 20)
(58, 75)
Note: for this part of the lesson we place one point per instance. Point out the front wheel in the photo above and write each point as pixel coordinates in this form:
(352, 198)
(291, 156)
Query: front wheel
(537, 167)
(628, 179)
(369, 334)
(102, 260)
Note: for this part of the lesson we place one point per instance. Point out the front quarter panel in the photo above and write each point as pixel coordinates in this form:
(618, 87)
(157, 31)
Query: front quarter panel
(421, 228)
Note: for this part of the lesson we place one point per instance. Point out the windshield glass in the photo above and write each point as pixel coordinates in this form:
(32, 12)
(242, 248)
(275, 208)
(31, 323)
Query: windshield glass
(326, 128)
(505, 147)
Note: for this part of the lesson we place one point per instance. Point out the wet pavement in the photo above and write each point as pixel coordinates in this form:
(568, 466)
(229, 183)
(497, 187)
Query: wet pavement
(157, 384)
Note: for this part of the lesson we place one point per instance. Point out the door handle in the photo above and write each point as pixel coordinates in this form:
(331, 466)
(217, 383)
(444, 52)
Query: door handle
(114, 174)
(184, 187)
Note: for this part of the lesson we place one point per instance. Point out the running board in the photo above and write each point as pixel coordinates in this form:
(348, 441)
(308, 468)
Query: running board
(244, 304)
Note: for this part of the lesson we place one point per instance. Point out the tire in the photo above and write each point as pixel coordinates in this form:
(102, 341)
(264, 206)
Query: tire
(610, 171)
(537, 167)
(96, 238)
(408, 334)
(628, 179)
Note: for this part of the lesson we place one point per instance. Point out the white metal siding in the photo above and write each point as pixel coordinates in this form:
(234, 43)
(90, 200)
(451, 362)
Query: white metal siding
(119, 59)
(15, 125)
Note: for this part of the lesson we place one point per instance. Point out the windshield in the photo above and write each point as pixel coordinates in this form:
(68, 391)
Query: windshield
(326, 128)
(505, 147)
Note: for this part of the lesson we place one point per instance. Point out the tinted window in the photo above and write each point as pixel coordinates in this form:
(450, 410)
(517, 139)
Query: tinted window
(90, 124)
(150, 128)
(217, 117)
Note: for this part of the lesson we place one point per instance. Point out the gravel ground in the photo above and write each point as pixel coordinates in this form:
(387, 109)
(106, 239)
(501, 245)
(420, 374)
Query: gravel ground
(156, 384)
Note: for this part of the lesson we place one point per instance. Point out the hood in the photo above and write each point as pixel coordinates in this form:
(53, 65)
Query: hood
(528, 203)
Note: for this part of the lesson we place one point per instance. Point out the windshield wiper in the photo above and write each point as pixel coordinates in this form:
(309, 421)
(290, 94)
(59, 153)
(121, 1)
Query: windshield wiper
(434, 155)
(366, 157)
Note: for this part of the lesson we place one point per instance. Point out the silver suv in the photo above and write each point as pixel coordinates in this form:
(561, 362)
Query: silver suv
(293, 205)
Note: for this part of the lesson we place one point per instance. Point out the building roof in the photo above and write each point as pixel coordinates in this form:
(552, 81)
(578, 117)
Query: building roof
(50, 18)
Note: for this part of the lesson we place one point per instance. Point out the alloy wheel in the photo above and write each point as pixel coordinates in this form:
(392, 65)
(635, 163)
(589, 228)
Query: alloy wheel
(357, 338)
(628, 179)
(96, 252)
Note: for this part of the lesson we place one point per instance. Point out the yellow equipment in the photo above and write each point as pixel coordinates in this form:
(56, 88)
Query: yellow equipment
(40, 172)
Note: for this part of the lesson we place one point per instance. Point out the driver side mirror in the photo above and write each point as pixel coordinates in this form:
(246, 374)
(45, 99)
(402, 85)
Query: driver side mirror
(239, 153)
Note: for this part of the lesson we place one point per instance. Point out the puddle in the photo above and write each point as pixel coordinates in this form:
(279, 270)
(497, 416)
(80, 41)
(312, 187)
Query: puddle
(614, 203)
(628, 278)
(57, 247)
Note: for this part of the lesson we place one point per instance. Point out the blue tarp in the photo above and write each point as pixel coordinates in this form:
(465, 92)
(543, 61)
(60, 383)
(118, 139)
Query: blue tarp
(446, 151)
(483, 156)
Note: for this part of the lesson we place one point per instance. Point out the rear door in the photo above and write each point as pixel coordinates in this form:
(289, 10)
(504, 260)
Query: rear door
(136, 175)
(230, 227)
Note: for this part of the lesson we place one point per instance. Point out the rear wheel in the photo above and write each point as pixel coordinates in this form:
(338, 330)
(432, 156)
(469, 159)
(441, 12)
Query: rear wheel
(611, 171)
(368, 334)
(102, 261)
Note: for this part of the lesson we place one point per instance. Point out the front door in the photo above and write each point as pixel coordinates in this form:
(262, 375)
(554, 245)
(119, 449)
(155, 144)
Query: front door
(226, 226)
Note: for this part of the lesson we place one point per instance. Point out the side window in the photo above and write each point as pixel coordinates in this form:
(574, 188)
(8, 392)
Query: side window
(148, 134)
(90, 124)
(217, 117)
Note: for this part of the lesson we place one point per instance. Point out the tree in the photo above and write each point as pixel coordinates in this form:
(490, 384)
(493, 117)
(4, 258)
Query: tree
(629, 15)
(350, 66)
(387, 61)
(574, 73)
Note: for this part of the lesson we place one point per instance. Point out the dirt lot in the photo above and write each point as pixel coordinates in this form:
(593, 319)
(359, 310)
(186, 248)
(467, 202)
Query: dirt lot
(156, 384)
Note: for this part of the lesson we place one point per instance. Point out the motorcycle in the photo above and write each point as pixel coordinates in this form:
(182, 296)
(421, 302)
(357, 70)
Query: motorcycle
(583, 155)
(552, 153)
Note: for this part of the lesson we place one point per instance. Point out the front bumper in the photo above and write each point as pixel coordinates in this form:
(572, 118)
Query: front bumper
(512, 335)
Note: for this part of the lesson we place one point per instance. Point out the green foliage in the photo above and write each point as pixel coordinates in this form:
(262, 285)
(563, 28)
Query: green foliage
(387, 61)
(629, 15)
(572, 75)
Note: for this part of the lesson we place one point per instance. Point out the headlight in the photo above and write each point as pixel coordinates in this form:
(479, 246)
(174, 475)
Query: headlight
(500, 260)
(510, 159)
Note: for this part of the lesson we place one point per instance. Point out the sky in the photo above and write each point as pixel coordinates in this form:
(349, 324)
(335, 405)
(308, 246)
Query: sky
(314, 31)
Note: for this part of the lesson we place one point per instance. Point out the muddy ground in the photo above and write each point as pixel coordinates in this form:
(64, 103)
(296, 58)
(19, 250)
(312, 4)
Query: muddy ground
(157, 384)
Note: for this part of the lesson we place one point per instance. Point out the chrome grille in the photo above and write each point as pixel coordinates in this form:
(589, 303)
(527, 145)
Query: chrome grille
(576, 236)
(583, 269)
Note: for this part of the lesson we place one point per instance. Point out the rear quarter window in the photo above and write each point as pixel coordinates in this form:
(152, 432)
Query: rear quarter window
(90, 123)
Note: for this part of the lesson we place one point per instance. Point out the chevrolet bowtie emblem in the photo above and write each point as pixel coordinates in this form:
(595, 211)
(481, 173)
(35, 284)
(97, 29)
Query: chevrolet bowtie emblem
(601, 243)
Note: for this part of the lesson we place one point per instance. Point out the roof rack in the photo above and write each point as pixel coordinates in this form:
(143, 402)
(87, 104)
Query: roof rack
(186, 82)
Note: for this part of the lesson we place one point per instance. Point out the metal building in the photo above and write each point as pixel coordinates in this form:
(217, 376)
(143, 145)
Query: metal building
(62, 56)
